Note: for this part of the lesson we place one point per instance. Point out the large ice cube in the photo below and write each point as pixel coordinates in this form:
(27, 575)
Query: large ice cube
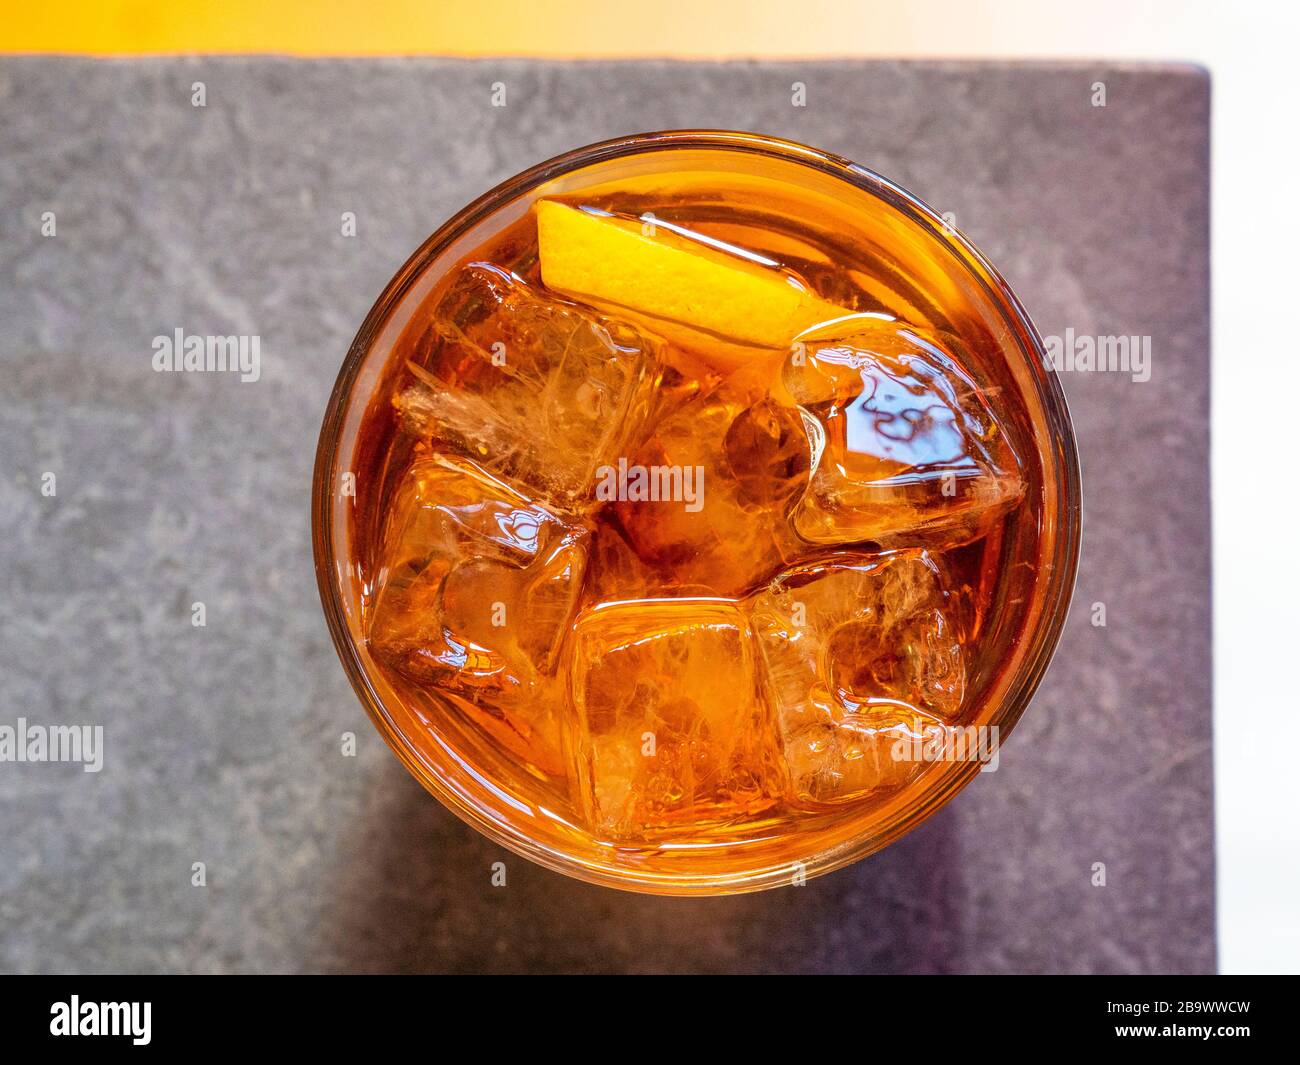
(669, 728)
(859, 652)
(536, 389)
(751, 460)
(911, 452)
(476, 585)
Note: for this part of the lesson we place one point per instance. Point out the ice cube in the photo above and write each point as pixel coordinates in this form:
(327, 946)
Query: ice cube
(536, 389)
(751, 457)
(911, 451)
(859, 652)
(476, 584)
(669, 727)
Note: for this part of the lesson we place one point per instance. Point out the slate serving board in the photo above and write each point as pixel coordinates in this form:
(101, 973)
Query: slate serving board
(222, 742)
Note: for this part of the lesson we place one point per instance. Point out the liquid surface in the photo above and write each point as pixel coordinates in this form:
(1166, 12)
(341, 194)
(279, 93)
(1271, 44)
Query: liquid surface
(686, 565)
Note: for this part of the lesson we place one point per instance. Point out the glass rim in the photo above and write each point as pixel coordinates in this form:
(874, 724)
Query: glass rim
(1045, 635)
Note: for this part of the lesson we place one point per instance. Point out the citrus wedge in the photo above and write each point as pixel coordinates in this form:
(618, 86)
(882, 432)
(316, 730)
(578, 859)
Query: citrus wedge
(653, 271)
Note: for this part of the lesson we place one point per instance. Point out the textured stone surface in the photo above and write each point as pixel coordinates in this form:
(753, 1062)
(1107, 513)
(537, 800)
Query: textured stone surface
(223, 741)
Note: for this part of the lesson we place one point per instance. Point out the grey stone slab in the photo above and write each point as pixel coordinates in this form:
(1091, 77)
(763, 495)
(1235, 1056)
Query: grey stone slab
(223, 741)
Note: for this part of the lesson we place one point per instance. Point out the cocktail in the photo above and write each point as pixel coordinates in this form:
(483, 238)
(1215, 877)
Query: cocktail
(696, 513)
